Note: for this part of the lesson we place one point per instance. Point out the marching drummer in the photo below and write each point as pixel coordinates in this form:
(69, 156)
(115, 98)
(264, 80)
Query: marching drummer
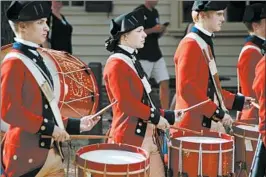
(251, 54)
(135, 119)
(26, 99)
(197, 77)
(259, 87)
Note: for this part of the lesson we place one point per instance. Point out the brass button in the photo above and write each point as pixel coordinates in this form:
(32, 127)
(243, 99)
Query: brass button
(42, 128)
(42, 144)
(15, 157)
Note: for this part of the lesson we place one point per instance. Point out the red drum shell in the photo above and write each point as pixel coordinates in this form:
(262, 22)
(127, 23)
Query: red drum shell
(210, 156)
(98, 169)
(246, 139)
(79, 94)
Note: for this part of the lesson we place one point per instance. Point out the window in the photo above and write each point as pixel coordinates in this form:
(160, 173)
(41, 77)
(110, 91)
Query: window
(74, 3)
(180, 16)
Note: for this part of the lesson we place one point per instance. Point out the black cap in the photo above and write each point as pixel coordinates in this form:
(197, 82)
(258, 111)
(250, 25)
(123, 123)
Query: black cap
(209, 5)
(254, 12)
(126, 22)
(263, 12)
(28, 10)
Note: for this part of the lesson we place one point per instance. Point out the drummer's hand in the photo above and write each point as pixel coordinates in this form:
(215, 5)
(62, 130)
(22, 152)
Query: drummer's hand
(163, 124)
(60, 135)
(227, 121)
(248, 103)
(87, 123)
(217, 127)
(179, 114)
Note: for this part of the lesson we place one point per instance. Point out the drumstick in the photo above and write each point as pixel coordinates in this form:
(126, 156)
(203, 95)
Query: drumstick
(196, 105)
(82, 137)
(186, 130)
(103, 110)
(256, 105)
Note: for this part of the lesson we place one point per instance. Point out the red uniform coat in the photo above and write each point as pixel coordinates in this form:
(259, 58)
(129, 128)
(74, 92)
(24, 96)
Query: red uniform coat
(246, 69)
(259, 88)
(192, 74)
(123, 84)
(21, 107)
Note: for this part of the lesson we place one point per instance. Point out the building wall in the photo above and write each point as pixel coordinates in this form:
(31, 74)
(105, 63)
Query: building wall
(91, 30)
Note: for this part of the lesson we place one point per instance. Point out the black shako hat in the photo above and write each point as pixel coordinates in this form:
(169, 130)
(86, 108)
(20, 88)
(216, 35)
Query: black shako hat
(209, 5)
(126, 22)
(263, 12)
(254, 12)
(28, 10)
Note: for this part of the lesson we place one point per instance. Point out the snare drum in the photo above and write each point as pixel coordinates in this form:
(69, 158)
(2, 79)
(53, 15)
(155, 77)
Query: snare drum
(209, 155)
(75, 86)
(246, 137)
(112, 160)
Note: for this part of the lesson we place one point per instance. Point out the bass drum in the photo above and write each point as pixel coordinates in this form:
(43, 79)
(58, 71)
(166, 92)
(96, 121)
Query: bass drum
(75, 86)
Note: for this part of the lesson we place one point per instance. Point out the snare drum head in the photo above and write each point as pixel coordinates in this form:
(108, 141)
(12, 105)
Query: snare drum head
(246, 131)
(208, 140)
(203, 140)
(254, 128)
(113, 158)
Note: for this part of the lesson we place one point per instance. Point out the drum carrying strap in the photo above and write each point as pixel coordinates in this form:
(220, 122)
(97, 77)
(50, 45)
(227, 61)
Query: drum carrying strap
(207, 53)
(131, 63)
(42, 82)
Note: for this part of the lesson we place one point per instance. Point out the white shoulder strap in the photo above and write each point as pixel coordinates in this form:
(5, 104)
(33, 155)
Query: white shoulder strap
(212, 66)
(42, 82)
(204, 47)
(128, 61)
(202, 44)
(248, 47)
(124, 58)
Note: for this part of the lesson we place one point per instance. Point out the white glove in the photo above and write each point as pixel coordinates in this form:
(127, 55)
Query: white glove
(217, 127)
(179, 114)
(227, 121)
(248, 103)
(87, 123)
(163, 124)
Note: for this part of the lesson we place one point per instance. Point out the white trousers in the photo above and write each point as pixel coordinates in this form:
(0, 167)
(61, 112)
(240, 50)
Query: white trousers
(53, 166)
(156, 163)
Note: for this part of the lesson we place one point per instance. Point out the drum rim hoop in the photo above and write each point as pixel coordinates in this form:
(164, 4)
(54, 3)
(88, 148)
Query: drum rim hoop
(115, 173)
(245, 137)
(203, 151)
(102, 146)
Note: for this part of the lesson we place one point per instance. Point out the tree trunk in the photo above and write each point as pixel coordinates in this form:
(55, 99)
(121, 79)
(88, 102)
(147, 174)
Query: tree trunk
(7, 34)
